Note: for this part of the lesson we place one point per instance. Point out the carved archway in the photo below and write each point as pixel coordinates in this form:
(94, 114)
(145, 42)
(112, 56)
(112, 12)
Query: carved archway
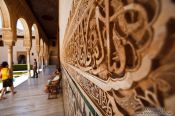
(7, 32)
(0, 19)
(26, 32)
(1, 42)
(36, 42)
(36, 34)
(5, 15)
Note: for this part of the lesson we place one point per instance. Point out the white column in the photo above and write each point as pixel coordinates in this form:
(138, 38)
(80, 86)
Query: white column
(46, 62)
(37, 53)
(10, 56)
(28, 62)
(42, 63)
(38, 64)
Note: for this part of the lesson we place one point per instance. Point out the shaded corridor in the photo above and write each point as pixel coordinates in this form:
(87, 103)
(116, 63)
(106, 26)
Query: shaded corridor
(31, 100)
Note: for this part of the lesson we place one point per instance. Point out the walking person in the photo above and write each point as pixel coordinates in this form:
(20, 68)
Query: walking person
(35, 73)
(7, 79)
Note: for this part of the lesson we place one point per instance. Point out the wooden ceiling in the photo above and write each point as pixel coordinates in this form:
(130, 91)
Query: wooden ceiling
(46, 12)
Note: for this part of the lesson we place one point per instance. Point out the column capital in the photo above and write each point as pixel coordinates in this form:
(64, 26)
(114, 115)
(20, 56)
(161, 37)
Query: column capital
(28, 49)
(7, 36)
(9, 42)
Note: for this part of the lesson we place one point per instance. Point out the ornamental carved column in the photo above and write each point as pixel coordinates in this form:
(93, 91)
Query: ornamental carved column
(27, 44)
(41, 56)
(42, 63)
(37, 52)
(7, 37)
(46, 55)
(28, 61)
(10, 56)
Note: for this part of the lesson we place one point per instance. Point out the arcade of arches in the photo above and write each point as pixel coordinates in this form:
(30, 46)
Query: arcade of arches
(117, 57)
(21, 44)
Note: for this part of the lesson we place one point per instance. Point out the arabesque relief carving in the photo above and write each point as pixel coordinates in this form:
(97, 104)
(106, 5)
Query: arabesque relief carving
(117, 54)
(150, 92)
(112, 37)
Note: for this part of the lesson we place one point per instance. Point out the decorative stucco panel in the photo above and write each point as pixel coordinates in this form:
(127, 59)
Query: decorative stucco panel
(118, 57)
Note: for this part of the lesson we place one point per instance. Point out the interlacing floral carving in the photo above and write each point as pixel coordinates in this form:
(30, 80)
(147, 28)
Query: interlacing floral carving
(115, 52)
(111, 38)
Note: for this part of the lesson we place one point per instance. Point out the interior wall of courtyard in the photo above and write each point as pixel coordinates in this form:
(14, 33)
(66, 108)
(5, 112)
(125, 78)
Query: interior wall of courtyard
(117, 56)
(18, 50)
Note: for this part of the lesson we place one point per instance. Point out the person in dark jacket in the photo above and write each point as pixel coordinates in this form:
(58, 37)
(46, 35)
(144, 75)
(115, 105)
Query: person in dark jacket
(35, 73)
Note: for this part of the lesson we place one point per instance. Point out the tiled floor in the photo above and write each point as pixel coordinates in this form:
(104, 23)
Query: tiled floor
(31, 100)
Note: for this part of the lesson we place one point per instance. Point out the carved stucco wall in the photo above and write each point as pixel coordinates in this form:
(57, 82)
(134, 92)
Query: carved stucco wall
(118, 57)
